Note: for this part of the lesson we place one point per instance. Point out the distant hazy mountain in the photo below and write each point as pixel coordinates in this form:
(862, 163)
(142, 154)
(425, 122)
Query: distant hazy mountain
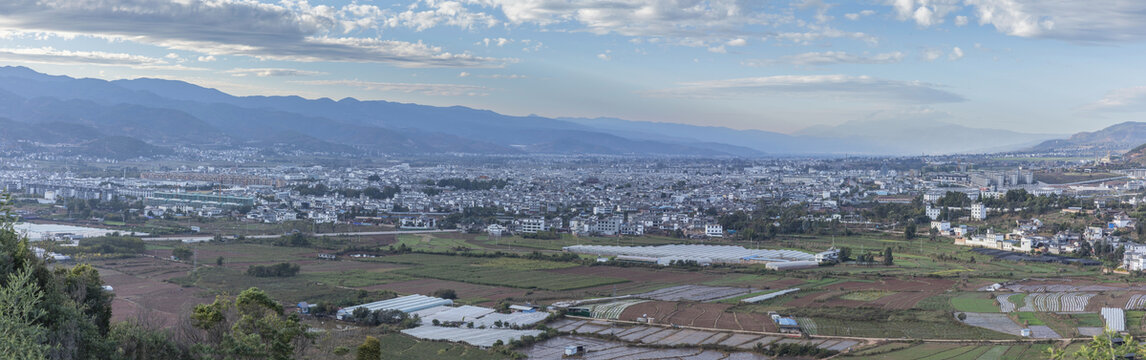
(1118, 137)
(866, 137)
(168, 113)
(905, 136)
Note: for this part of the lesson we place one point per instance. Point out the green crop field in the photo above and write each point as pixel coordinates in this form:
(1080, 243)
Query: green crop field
(431, 243)
(289, 290)
(908, 324)
(1029, 318)
(902, 351)
(488, 272)
(509, 243)
(867, 295)
(974, 302)
(1088, 319)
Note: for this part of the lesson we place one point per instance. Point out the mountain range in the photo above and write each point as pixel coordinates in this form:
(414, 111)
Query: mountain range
(87, 114)
(1116, 138)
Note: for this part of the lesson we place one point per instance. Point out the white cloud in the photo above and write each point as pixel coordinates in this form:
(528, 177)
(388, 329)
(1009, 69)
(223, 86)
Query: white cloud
(1131, 99)
(424, 89)
(824, 32)
(925, 13)
(961, 20)
(434, 13)
(830, 58)
(290, 30)
(837, 86)
(464, 74)
(857, 16)
(737, 42)
(1082, 21)
(604, 56)
(956, 54)
(932, 54)
(272, 72)
(172, 56)
(49, 55)
(208, 58)
(709, 21)
(499, 42)
(503, 76)
(717, 49)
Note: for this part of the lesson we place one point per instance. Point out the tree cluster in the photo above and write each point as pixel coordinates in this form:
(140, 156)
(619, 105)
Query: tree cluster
(468, 184)
(794, 350)
(276, 270)
(126, 245)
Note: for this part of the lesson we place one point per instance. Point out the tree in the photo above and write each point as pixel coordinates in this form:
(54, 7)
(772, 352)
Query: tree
(219, 261)
(371, 349)
(1109, 345)
(71, 307)
(446, 294)
(933, 233)
(136, 341)
(21, 336)
(251, 326)
(1084, 249)
(887, 258)
(909, 231)
(182, 253)
(845, 254)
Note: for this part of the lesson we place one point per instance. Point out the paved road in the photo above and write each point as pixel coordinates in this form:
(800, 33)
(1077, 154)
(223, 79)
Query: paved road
(190, 239)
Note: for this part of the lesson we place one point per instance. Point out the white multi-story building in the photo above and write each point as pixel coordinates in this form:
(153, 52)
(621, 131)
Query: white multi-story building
(1134, 259)
(713, 230)
(607, 227)
(933, 213)
(531, 225)
(495, 230)
(978, 211)
(942, 226)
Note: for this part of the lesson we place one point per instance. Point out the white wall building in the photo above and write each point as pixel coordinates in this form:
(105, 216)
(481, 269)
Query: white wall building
(713, 230)
(933, 213)
(531, 225)
(979, 211)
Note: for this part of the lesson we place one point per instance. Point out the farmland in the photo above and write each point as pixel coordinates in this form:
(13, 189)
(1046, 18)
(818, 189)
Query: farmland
(904, 351)
(915, 298)
(495, 272)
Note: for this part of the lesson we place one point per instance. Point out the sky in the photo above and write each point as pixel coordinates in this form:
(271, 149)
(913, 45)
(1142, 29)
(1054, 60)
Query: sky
(1035, 66)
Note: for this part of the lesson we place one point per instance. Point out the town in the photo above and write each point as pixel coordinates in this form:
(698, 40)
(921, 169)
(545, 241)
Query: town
(946, 234)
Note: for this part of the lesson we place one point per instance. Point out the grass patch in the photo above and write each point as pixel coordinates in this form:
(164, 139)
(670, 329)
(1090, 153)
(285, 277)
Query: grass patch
(480, 271)
(974, 302)
(1134, 322)
(510, 242)
(1029, 318)
(918, 351)
(1033, 351)
(937, 302)
(356, 278)
(289, 290)
(1018, 299)
(431, 243)
(910, 324)
(866, 295)
(1089, 319)
(526, 264)
(880, 349)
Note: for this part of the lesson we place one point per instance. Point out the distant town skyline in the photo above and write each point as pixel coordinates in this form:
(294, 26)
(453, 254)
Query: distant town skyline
(1029, 66)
